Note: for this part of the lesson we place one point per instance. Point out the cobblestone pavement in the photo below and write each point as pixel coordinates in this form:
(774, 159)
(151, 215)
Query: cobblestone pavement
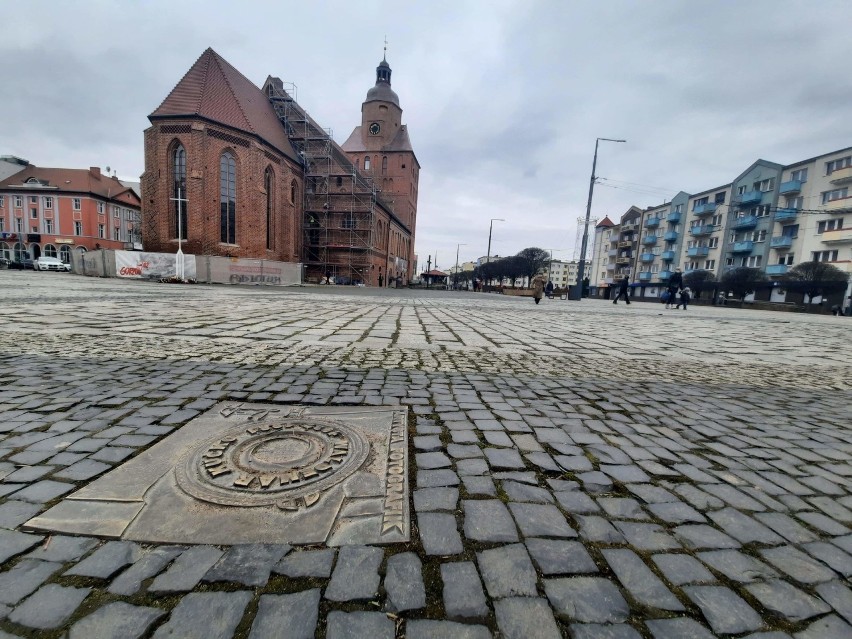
(578, 469)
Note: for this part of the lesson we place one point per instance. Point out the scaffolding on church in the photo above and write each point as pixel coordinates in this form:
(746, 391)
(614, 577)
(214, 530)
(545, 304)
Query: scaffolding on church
(338, 230)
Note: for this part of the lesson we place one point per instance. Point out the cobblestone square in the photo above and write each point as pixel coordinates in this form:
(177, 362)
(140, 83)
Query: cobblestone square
(577, 469)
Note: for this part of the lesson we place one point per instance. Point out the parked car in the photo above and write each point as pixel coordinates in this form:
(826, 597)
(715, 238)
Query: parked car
(15, 265)
(51, 264)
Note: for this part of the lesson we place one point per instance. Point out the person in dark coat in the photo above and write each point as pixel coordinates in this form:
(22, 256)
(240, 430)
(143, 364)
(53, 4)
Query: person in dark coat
(685, 295)
(675, 285)
(548, 289)
(623, 287)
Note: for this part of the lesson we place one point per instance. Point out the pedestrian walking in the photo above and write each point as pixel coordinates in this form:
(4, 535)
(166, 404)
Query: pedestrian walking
(685, 294)
(548, 290)
(675, 285)
(538, 288)
(623, 288)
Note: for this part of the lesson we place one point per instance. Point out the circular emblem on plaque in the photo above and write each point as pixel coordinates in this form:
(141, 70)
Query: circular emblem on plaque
(283, 463)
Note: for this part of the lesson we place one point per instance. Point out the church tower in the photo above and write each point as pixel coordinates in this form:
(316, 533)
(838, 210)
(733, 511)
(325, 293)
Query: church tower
(381, 149)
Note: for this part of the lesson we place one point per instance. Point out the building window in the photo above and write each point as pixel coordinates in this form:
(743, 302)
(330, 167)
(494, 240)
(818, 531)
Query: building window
(764, 185)
(787, 259)
(719, 198)
(753, 261)
(293, 192)
(713, 242)
(836, 194)
(758, 236)
(48, 202)
(761, 211)
(75, 203)
(799, 176)
(741, 189)
(228, 199)
(78, 228)
(716, 220)
(367, 163)
(33, 213)
(2, 201)
(180, 210)
(678, 208)
(384, 164)
(699, 202)
(100, 207)
(49, 250)
(829, 225)
(116, 233)
(267, 184)
(48, 226)
(19, 202)
(824, 256)
(836, 165)
(33, 199)
(795, 202)
(19, 225)
(709, 265)
(101, 231)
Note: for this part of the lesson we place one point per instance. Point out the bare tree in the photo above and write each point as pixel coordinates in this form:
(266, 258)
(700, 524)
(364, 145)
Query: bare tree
(743, 280)
(815, 278)
(698, 281)
(534, 260)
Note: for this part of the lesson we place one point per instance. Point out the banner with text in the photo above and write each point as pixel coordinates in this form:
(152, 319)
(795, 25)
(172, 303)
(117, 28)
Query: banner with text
(151, 266)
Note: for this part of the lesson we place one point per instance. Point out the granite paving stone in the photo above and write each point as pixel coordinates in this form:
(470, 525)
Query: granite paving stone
(205, 615)
(680, 569)
(603, 631)
(43, 491)
(151, 563)
(830, 627)
(24, 578)
(431, 629)
(525, 618)
(798, 565)
(463, 595)
(116, 620)
(307, 563)
(517, 491)
(556, 557)
(439, 534)
(488, 520)
(786, 600)
(507, 571)
(404, 583)
(724, 611)
(700, 536)
(428, 499)
(107, 560)
(294, 616)
(838, 595)
(358, 625)
(743, 528)
(248, 564)
(598, 529)
(356, 574)
(187, 570)
(830, 555)
(586, 599)
(679, 628)
(642, 584)
(49, 607)
(648, 537)
(13, 513)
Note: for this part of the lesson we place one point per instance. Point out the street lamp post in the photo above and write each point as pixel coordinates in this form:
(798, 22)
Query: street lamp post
(577, 293)
(456, 273)
(490, 228)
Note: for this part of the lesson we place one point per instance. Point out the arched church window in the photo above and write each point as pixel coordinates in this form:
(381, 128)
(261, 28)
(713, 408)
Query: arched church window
(293, 192)
(228, 199)
(339, 181)
(367, 163)
(179, 192)
(267, 184)
(384, 164)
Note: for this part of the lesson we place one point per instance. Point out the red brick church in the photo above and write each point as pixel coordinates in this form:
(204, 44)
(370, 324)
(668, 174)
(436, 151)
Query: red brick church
(241, 171)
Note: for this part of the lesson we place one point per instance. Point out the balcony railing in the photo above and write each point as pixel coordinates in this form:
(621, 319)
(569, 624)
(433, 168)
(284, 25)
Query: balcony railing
(751, 197)
(841, 176)
(698, 251)
(793, 186)
(652, 222)
(668, 256)
(670, 236)
(781, 242)
(840, 235)
(610, 266)
(646, 257)
(664, 275)
(776, 269)
(645, 276)
(704, 229)
(624, 244)
(704, 209)
(622, 260)
(673, 217)
(742, 247)
(650, 240)
(628, 228)
(786, 215)
(748, 222)
(844, 204)
(612, 252)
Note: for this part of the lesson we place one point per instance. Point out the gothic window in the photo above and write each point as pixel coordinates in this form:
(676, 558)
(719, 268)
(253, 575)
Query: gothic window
(228, 198)
(179, 203)
(367, 163)
(384, 164)
(267, 184)
(293, 191)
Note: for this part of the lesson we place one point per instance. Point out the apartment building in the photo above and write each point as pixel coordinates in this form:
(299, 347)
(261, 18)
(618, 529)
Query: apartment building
(706, 216)
(602, 263)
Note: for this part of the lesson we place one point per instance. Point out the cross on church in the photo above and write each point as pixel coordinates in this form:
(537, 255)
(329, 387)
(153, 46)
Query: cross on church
(179, 264)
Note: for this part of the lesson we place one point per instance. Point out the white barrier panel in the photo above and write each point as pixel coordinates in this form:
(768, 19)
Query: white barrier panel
(224, 270)
(151, 266)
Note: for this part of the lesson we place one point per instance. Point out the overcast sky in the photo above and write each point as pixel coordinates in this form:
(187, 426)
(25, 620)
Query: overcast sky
(503, 99)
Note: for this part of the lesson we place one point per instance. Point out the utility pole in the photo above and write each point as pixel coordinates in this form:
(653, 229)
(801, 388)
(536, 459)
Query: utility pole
(179, 265)
(490, 228)
(577, 293)
(456, 274)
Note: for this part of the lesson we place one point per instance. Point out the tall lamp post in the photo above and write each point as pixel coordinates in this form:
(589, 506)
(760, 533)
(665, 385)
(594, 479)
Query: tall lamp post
(490, 228)
(577, 293)
(456, 273)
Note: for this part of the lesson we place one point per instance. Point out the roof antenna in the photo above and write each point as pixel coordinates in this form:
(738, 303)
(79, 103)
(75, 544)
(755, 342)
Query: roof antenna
(385, 56)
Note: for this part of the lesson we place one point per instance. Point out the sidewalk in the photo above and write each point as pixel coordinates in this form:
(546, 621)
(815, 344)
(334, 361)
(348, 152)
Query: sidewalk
(577, 469)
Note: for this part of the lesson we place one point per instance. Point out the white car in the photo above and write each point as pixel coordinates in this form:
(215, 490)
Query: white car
(51, 264)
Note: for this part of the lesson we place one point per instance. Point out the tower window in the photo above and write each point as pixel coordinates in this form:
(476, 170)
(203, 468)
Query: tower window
(384, 164)
(179, 191)
(367, 163)
(228, 199)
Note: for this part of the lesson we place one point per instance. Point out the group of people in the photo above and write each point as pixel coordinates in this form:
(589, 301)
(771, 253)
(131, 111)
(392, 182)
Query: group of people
(675, 296)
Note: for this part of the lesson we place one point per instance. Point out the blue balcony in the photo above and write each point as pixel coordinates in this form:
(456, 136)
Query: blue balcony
(705, 229)
(612, 252)
(776, 269)
(646, 257)
(652, 222)
(781, 242)
(742, 247)
(786, 215)
(670, 236)
(644, 276)
(698, 251)
(793, 186)
(650, 240)
(664, 275)
(704, 209)
(752, 197)
(674, 217)
(668, 256)
(748, 222)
